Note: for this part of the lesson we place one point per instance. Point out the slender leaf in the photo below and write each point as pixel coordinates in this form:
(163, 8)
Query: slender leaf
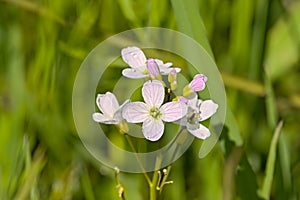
(267, 185)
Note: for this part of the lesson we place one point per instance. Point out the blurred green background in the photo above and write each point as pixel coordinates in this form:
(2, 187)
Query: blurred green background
(256, 45)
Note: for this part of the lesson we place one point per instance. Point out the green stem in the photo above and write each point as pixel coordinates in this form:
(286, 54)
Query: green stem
(154, 183)
(153, 191)
(138, 159)
(119, 186)
(164, 179)
(176, 138)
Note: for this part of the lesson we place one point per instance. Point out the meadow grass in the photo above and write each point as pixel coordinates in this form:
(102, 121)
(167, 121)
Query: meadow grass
(255, 44)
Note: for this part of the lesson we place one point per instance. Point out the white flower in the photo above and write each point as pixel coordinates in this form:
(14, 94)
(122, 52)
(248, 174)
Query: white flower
(198, 111)
(152, 113)
(109, 106)
(136, 59)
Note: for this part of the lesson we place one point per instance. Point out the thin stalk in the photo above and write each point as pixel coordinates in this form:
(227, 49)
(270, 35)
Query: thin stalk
(164, 181)
(156, 183)
(138, 159)
(119, 186)
(176, 137)
(153, 191)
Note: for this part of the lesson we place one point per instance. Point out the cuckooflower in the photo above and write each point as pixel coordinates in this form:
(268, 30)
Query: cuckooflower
(110, 108)
(152, 113)
(198, 111)
(196, 85)
(153, 69)
(136, 59)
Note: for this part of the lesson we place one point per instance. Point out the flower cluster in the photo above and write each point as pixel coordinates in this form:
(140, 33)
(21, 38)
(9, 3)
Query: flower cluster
(186, 110)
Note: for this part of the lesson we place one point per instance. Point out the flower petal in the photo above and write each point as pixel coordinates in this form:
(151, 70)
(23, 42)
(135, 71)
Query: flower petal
(107, 103)
(133, 56)
(98, 117)
(192, 126)
(160, 63)
(153, 129)
(153, 93)
(194, 102)
(207, 109)
(152, 68)
(173, 111)
(134, 73)
(202, 132)
(118, 113)
(182, 122)
(166, 70)
(135, 112)
(198, 82)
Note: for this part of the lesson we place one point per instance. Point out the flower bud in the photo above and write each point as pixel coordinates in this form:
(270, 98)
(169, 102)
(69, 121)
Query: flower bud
(196, 85)
(153, 69)
(172, 78)
(180, 99)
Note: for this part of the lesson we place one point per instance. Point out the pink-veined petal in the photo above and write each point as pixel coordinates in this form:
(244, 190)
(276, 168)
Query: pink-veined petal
(152, 68)
(207, 109)
(107, 103)
(98, 117)
(153, 129)
(153, 93)
(198, 82)
(118, 113)
(182, 121)
(160, 63)
(202, 132)
(183, 99)
(166, 70)
(134, 73)
(133, 56)
(135, 112)
(192, 126)
(193, 102)
(173, 111)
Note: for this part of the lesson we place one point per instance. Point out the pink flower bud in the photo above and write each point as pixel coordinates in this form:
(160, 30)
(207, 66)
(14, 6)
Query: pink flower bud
(173, 72)
(198, 83)
(152, 68)
(182, 99)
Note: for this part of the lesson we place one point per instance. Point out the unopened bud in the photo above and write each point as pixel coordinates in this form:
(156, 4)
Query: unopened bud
(198, 82)
(196, 85)
(172, 78)
(153, 69)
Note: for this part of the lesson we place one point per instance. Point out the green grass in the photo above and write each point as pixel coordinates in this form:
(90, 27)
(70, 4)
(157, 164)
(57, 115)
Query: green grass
(255, 45)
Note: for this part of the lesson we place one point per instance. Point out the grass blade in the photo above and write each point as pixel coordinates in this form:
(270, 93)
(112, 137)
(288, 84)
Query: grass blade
(266, 188)
(190, 22)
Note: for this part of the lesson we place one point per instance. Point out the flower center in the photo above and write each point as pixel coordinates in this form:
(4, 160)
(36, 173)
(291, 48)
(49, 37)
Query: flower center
(193, 117)
(146, 72)
(155, 113)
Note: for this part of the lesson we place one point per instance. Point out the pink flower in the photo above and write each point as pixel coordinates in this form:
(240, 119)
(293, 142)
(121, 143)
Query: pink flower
(198, 111)
(137, 61)
(152, 113)
(183, 99)
(196, 85)
(198, 82)
(110, 108)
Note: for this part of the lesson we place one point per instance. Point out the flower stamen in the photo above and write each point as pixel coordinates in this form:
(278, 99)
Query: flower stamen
(155, 113)
(193, 117)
